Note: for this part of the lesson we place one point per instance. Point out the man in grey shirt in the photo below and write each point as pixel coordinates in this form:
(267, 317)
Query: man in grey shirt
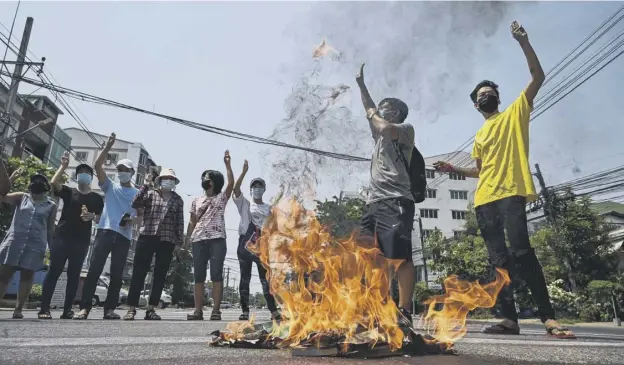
(389, 214)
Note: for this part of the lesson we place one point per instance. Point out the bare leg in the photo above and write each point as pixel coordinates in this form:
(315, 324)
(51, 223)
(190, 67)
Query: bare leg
(25, 285)
(199, 297)
(217, 294)
(407, 281)
(6, 273)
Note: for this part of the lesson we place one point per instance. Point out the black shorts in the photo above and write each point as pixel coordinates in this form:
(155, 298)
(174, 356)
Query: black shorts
(213, 250)
(392, 220)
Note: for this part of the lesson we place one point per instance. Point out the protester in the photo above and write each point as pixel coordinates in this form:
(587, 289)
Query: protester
(389, 214)
(501, 151)
(253, 215)
(24, 246)
(161, 234)
(206, 233)
(114, 232)
(81, 207)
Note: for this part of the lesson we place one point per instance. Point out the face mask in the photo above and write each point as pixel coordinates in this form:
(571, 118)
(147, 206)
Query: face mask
(37, 188)
(256, 193)
(167, 184)
(488, 103)
(124, 177)
(206, 184)
(84, 179)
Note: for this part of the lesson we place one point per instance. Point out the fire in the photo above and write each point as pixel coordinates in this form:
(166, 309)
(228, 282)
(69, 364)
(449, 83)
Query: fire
(331, 288)
(448, 324)
(323, 50)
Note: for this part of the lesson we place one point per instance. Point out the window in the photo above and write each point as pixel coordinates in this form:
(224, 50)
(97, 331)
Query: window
(429, 213)
(82, 156)
(456, 176)
(431, 193)
(457, 234)
(143, 160)
(111, 176)
(430, 174)
(426, 233)
(113, 158)
(140, 179)
(458, 214)
(459, 194)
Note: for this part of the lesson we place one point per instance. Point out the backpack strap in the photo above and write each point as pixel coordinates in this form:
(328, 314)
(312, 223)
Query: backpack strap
(397, 147)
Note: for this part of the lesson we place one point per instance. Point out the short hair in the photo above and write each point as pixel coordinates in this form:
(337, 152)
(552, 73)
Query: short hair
(492, 84)
(217, 180)
(399, 105)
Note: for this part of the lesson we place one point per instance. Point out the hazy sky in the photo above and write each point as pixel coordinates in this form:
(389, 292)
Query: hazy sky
(233, 65)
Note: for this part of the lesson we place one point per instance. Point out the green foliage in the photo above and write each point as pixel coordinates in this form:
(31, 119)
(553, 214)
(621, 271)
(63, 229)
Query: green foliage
(342, 217)
(35, 293)
(465, 256)
(258, 299)
(29, 167)
(422, 293)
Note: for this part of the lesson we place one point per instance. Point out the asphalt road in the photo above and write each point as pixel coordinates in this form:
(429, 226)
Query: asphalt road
(175, 341)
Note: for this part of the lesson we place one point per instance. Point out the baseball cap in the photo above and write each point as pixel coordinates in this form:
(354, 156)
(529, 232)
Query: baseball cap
(84, 166)
(261, 181)
(126, 162)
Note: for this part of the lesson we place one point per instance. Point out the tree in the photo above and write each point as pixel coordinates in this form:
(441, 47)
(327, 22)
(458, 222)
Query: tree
(27, 167)
(340, 216)
(258, 299)
(581, 237)
(180, 276)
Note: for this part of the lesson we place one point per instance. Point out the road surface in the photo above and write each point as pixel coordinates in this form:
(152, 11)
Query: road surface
(175, 341)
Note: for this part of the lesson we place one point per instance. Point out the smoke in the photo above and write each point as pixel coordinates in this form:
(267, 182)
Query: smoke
(416, 51)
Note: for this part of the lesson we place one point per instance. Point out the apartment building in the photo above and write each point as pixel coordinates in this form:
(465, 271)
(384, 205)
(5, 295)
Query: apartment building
(86, 151)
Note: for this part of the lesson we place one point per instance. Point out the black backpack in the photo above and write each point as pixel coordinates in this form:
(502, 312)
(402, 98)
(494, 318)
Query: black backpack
(416, 171)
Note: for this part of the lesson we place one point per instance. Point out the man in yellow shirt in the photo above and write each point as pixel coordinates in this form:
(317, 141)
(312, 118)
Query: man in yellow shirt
(501, 151)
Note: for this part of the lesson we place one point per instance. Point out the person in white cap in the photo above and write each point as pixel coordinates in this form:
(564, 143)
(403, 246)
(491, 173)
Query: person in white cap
(24, 245)
(114, 232)
(253, 215)
(161, 233)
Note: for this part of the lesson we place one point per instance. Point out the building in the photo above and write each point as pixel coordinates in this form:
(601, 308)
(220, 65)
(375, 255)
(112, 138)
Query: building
(448, 198)
(29, 110)
(86, 151)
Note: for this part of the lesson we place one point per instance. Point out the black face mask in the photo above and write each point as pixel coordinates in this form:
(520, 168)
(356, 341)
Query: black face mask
(37, 188)
(206, 184)
(488, 103)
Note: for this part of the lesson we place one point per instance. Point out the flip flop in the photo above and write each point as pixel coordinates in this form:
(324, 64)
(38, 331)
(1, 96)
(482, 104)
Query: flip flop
(499, 329)
(44, 315)
(561, 333)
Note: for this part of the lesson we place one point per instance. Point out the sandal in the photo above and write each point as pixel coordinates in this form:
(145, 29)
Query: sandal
(18, 315)
(82, 315)
(150, 315)
(195, 316)
(559, 332)
(44, 315)
(215, 316)
(67, 315)
(130, 315)
(499, 329)
(244, 316)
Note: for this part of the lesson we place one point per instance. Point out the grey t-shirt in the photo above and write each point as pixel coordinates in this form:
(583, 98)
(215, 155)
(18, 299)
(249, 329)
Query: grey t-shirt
(389, 175)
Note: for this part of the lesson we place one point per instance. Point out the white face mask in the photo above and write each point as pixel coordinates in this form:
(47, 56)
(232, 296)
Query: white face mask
(124, 177)
(167, 184)
(257, 193)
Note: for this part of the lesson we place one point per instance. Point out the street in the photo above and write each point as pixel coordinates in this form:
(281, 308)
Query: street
(176, 341)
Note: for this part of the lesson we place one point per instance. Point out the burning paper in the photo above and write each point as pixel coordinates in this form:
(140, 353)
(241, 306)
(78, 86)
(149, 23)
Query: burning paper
(334, 295)
(324, 50)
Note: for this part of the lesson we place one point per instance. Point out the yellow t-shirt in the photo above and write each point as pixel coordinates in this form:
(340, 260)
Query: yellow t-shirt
(502, 145)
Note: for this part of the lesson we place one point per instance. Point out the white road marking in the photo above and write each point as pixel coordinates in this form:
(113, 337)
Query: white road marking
(554, 343)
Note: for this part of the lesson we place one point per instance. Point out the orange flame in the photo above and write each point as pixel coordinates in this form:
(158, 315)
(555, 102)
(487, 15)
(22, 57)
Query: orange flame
(347, 285)
(448, 324)
(323, 50)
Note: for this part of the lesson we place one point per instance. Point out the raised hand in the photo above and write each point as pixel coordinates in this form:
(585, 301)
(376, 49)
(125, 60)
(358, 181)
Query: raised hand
(65, 160)
(16, 174)
(518, 32)
(443, 166)
(226, 158)
(360, 76)
(245, 167)
(111, 141)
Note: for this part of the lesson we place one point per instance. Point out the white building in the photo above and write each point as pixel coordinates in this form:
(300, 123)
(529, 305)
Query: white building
(86, 151)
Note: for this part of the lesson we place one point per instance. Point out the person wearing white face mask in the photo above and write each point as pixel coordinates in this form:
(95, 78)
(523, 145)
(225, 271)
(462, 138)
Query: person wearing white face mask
(114, 232)
(81, 207)
(253, 215)
(161, 234)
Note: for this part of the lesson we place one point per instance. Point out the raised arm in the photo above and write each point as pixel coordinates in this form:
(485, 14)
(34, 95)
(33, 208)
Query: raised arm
(143, 196)
(192, 222)
(535, 68)
(239, 181)
(230, 175)
(472, 172)
(99, 162)
(367, 100)
(57, 179)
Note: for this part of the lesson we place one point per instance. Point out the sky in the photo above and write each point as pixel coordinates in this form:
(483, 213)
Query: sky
(242, 66)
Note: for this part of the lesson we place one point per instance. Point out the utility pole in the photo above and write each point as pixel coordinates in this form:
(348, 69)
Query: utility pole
(550, 217)
(227, 281)
(17, 74)
(422, 247)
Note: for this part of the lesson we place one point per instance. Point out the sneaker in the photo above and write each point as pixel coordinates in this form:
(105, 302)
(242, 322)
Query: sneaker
(405, 319)
(110, 314)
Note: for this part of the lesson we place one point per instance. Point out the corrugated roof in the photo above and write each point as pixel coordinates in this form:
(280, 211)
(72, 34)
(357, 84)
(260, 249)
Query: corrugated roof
(608, 207)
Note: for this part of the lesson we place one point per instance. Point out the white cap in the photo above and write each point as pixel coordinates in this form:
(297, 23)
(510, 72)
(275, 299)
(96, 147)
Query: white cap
(126, 162)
